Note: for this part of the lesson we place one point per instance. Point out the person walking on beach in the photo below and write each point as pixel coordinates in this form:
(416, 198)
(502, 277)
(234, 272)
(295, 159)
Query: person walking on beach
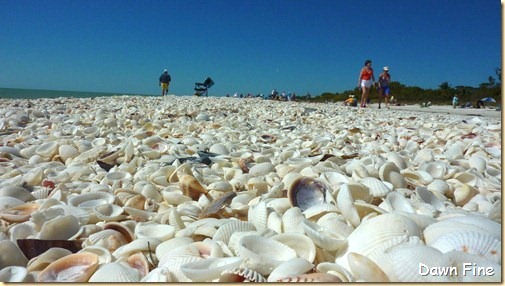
(365, 81)
(384, 80)
(164, 82)
(455, 101)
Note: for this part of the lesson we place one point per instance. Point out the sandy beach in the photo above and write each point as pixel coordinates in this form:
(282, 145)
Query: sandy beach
(194, 189)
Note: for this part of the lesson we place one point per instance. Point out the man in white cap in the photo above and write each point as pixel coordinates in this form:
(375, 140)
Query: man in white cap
(384, 80)
(164, 82)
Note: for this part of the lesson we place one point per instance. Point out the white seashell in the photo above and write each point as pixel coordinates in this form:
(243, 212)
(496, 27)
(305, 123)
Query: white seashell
(40, 262)
(104, 255)
(473, 242)
(137, 245)
(396, 202)
(241, 274)
(463, 194)
(158, 275)
(19, 193)
(225, 231)
(109, 212)
(261, 169)
(22, 231)
(375, 186)
(162, 232)
(210, 268)
(345, 203)
(322, 237)
(7, 202)
(300, 243)
(263, 254)
(365, 269)
(116, 272)
(259, 216)
(48, 149)
(429, 198)
(477, 162)
(292, 221)
(174, 263)
(60, 228)
(13, 274)
(292, 267)
(67, 152)
(274, 222)
(88, 201)
(171, 244)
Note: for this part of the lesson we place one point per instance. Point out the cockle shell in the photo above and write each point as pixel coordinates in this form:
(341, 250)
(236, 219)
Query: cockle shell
(154, 230)
(376, 187)
(292, 267)
(263, 254)
(306, 192)
(225, 231)
(301, 244)
(67, 152)
(322, 237)
(209, 269)
(116, 272)
(241, 274)
(109, 212)
(71, 268)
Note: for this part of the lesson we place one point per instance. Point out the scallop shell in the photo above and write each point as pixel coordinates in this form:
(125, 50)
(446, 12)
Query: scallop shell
(306, 192)
(210, 268)
(479, 243)
(71, 268)
(263, 254)
(115, 272)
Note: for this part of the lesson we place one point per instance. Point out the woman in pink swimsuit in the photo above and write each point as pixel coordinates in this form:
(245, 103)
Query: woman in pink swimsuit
(365, 81)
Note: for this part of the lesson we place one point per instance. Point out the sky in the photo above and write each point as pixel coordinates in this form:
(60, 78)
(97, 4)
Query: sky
(246, 46)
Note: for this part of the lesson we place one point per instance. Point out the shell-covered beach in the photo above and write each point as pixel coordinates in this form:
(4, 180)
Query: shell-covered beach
(193, 189)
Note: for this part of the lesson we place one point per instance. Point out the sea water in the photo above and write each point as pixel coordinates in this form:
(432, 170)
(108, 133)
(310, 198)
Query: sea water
(18, 93)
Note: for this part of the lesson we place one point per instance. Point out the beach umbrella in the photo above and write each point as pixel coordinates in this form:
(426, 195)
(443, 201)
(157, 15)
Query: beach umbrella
(488, 99)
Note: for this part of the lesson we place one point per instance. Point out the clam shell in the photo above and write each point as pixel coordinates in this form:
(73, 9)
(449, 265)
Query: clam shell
(19, 213)
(40, 262)
(263, 254)
(116, 272)
(292, 221)
(109, 212)
(306, 192)
(60, 228)
(210, 268)
(365, 269)
(71, 268)
(154, 230)
(48, 149)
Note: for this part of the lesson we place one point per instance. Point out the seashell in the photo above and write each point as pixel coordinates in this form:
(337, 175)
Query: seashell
(259, 216)
(159, 275)
(263, 254)
(322, 237)
(312, 277)
(468, 241)
(225, 231)
(19, 193)
(261, 169)
(138, 245)
(11, 255)
(316, 211)
(174, 263)
(104, 255)
(306, 192)
(345, 203)
(439, 186)
(477, 162)
(60, 228)
(13, 274)
(191, 187)
(48, 149)
(301, 244)
(429, 198)
(139, 262)
(88, 201)
(161, 232)
(67, 152)
(8, 202)
(109, 212)
(19, 213)
(292, 221)
(215, 206)
(467, 178)
(71, 268)
(41, 261)
(463, 194)
(396, 202)
(219, 149)
(335, 223)
(375, 186)
(292, 267)
(274, 222)
(365, 269)
(210, 268)
(115, 272)
(107, 238)
(241, 274)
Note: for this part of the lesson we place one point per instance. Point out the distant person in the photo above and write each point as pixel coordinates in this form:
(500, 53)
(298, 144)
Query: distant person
(480, 104)
(384, 80)
(455, 101)
(164, 82)
(365, 81)
(274, 94)
(351, 101)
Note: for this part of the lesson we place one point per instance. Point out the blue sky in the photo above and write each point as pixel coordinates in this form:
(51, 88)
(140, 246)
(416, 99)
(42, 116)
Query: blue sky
(246, 46)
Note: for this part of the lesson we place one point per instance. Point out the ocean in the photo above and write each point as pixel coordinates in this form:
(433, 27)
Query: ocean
(19, 93)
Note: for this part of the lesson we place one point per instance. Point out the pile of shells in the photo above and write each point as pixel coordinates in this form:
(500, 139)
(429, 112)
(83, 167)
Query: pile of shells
(189, 189)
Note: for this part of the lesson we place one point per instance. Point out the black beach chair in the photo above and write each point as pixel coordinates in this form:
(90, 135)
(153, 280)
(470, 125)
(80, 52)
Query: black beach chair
(203, 87)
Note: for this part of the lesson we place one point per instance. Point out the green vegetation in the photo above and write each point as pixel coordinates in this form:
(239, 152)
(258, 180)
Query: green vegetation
(416, 95)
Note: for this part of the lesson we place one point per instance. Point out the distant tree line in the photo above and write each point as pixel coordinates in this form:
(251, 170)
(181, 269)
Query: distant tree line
(413, 94)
